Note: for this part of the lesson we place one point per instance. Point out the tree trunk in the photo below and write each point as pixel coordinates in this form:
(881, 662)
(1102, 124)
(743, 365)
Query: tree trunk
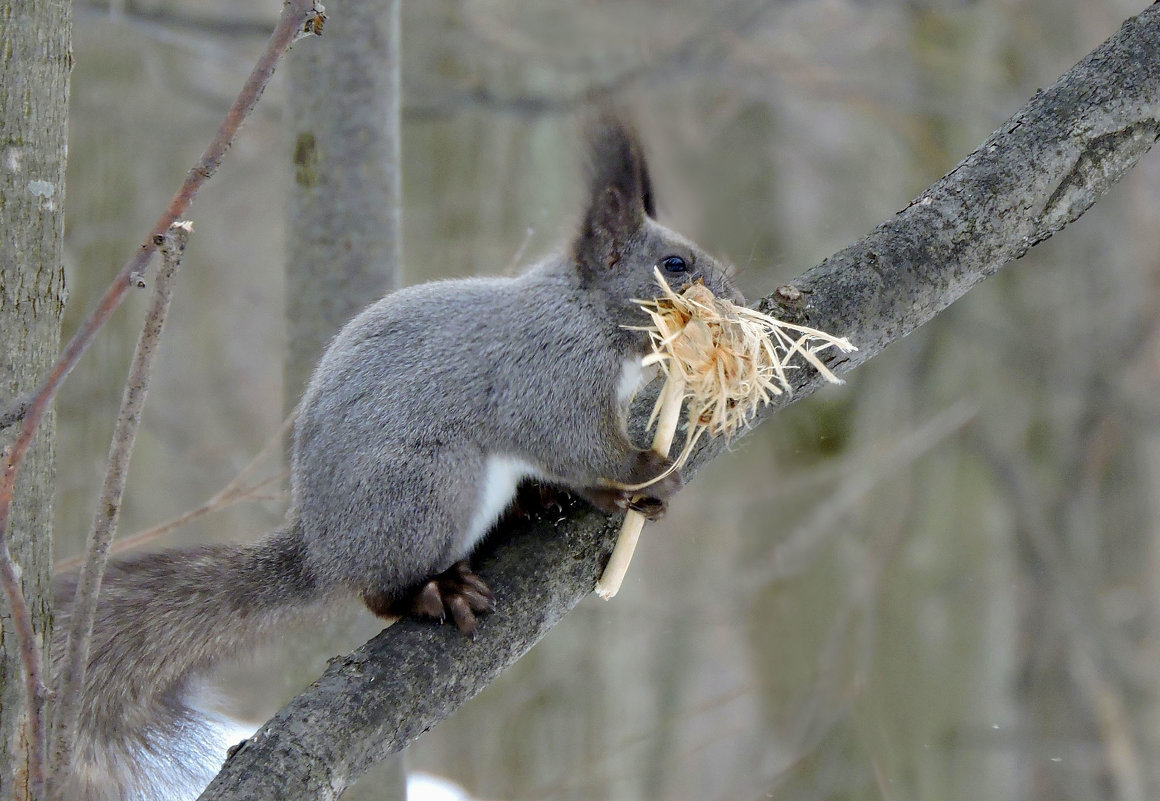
(344, 233)
(35, 59)
(344, 222)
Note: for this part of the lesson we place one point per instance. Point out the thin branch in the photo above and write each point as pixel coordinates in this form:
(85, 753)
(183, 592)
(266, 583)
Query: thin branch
(34, 685)
(230, 494)
(233, 492)
(72, 675)
(1090, 649)
(1113, 720)
(704, 45)
(227, 497)
(1044, 168)
(299, 17)
(179, 22)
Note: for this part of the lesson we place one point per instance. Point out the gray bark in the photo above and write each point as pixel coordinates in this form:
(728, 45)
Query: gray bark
(344, 239)
(1033, 176)
(35, 58)
(344, 233)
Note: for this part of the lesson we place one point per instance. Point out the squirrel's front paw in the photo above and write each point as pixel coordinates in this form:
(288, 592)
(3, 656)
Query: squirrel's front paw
(647, 502)
(653, 509)
(652, 500)
(535, 499)
(649, 466)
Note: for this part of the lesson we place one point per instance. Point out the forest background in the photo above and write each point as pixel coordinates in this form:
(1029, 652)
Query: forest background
(855, 603)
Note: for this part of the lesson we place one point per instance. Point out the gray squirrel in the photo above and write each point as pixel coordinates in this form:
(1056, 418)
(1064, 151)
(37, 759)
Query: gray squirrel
(422, 417)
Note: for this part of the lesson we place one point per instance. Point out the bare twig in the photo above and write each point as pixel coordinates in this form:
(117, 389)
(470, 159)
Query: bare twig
(1091, 647)
(228, 496)
(26, 641)
(72, 675)
(705, 45)
(1121, 753)
(795, 550)
(299, 18)
(233, 492)
(177, 22)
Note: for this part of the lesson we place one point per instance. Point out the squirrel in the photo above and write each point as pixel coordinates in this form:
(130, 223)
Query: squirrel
(422, 417)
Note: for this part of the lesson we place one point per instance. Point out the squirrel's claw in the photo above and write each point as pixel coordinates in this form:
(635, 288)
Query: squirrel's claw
(428, 602)
(611, 501)
(653, 509)
(458, 593)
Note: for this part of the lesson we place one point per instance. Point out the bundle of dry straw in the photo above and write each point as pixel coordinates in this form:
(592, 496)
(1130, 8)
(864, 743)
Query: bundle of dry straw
(725, 361)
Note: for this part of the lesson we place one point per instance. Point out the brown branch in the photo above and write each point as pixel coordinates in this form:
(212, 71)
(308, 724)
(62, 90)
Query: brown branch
(34, 684)
(72, 675)
(233, 492)
(228, 496)
(181, 22)
(299, 18)
(795, 550)
(1042, 170)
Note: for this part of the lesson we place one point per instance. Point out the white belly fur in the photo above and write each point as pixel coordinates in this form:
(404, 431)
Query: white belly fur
(501, 475)
(631, 374)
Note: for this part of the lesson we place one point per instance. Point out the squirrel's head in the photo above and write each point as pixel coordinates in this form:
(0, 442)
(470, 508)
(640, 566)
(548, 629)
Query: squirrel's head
(621, 246)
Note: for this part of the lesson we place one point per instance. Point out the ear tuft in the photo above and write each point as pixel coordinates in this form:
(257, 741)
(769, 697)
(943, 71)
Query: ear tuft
(619, 191)
(646, 190)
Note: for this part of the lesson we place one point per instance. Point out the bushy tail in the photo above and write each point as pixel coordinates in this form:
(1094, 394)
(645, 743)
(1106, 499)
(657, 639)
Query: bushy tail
(162, 619)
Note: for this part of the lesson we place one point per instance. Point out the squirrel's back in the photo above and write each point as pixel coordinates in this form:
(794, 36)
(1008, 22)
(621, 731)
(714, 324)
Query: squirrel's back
(441, 395)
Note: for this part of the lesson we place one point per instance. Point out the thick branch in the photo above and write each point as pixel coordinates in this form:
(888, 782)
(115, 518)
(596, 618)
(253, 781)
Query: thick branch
(1039, 172)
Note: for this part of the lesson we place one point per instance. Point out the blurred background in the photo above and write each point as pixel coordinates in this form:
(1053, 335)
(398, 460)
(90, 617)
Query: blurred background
(940, 581)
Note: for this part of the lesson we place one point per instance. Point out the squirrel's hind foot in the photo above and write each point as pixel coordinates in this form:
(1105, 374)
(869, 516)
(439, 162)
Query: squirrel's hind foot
(457, 593)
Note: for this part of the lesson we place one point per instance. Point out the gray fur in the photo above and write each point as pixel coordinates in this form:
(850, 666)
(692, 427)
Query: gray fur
(163, 618)
(413, 402)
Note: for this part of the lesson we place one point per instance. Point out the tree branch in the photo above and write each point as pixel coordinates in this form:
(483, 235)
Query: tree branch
(1033, 176)
(299, 18)
(34, 684)
(238, 489)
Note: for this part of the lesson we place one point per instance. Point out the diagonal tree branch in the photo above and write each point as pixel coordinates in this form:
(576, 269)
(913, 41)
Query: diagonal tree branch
(1040, 171)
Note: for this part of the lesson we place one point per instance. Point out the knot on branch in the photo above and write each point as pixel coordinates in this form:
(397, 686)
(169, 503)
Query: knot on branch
(1100, 164)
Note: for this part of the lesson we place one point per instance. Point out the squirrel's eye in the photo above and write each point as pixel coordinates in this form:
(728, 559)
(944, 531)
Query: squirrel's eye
(674, 264)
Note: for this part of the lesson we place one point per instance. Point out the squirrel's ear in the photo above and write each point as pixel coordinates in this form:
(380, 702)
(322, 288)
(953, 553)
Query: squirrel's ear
(620, 193)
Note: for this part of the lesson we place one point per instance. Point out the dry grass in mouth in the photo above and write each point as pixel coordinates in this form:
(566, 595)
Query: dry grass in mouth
(723, 362)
